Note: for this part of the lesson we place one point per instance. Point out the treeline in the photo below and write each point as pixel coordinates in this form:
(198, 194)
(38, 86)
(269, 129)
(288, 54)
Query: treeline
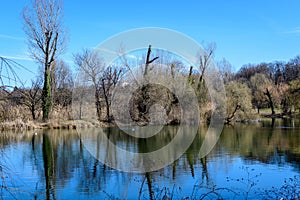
(274, 85)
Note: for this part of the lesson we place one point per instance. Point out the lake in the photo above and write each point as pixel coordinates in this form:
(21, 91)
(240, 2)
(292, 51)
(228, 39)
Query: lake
(250, 161)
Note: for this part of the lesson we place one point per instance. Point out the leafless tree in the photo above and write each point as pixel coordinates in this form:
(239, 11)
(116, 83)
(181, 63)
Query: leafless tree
(226, 70)
(92, 65)
(204, 61)
(46, 39)
(62, 85)
(109, 79)
(149, 61)
(31, 97)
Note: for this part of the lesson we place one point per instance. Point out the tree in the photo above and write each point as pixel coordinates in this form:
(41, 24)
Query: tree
(201, 90)
(293, 95)
(62, 85)
(226, 70)
(249, 70)
(264, 91)
(204, 61)
(92, 66)
(238, 101)
(45, 31)
(63, 77)
(292, 69)
(109, 80)
(31, 97)
(149, 61)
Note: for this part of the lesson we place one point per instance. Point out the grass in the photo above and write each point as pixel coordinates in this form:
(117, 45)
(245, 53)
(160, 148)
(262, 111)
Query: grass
(53, 124)
(267, 111)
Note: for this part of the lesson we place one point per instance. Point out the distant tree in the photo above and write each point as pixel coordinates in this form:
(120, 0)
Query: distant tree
(292, 70)
(149, 61)
(293, 95)
(238, 101)
(92, 66)
(63, 77)
(276, 70)
(62, 84)
(197, 80)
(249, 70)
(46, 39)
(109, 79)
(204, 61)
(226, 70)
(31, 97)
(264, 90)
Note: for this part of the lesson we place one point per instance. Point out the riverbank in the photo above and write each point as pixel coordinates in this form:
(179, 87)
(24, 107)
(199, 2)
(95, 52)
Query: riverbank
(53, 124)
(74, 124)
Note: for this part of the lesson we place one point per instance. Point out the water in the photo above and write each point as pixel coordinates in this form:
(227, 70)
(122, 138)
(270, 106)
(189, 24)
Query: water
(247, 162)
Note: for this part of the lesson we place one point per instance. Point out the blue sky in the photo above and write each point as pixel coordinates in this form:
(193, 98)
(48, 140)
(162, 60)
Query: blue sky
(244, 31)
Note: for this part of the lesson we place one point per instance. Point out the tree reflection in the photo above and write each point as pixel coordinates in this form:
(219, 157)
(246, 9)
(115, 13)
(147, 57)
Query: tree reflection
(62, 161)
(49, 167)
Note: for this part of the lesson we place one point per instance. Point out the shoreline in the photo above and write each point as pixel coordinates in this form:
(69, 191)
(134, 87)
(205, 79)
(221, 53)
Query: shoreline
(19, 125)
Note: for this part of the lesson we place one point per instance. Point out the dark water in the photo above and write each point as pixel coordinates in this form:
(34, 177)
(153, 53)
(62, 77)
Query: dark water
(247, 162)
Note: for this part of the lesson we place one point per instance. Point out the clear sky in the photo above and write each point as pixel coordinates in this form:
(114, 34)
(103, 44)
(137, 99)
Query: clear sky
(244, 31)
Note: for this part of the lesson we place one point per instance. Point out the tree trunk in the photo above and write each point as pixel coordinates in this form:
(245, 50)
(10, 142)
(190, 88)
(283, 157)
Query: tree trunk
(98, 104)
(148, 61)
(80, 109)
(270, 101)
(107, 109)
(33, 111)
(228, 119)
(106, 96)
(46, 96)
(190, 75)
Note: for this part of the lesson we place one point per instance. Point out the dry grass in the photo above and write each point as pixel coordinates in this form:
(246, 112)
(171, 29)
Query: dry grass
(18, 124)
(19, 118)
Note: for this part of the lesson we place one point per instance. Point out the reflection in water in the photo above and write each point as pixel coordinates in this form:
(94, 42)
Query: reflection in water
(57, 165)
(131, 154)
(49, 166)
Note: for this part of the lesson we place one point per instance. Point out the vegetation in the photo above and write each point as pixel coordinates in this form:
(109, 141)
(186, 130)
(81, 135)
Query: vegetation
(274, 86)
(251, 90)
(43, 26)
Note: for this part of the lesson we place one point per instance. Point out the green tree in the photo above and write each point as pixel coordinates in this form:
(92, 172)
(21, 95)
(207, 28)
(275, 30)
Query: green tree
(293, 95)
(238, 101)
(46, 39)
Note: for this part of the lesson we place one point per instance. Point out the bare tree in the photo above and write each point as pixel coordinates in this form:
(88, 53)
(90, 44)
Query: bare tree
(109, 80)
(62, 85)
(63, 77)
(149, 61)
(92, 66)
(45, 31)
(31, 97)
(226, 70)
(205, 60)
